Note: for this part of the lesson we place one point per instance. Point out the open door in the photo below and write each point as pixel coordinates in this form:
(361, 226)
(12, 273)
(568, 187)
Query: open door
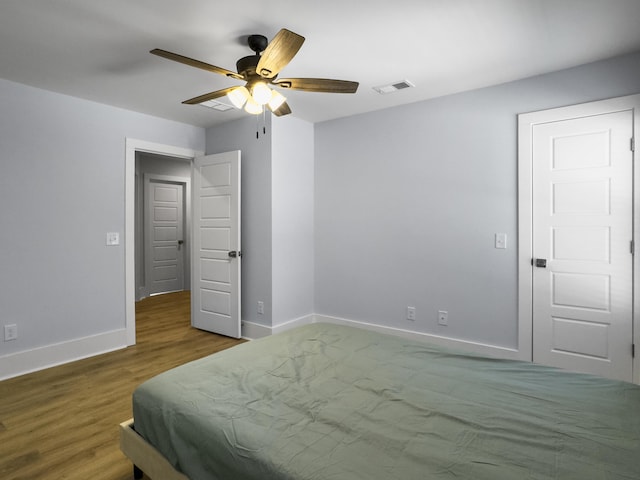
(215, 291)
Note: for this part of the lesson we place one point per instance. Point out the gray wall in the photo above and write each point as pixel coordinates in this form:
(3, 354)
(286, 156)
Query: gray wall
(277, 215)
(406, 203)
(292, 219)
(255, 227)
(61, 190)
(408, 199)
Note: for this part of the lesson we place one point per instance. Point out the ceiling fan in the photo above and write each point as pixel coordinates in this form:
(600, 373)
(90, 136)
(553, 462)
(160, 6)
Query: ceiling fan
(261, 70)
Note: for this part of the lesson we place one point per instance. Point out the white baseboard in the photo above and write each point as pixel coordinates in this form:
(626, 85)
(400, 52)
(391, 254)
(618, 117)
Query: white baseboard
(472, 347)
(28, 361)
(296, 322)
(253, 331)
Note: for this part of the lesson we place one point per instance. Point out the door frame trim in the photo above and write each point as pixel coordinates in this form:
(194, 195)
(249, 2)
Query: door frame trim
(526, 121)
(132, 146)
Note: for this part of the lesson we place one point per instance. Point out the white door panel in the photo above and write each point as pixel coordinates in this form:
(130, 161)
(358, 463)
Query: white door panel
(582, 227)
(215, 296)
(164, 234)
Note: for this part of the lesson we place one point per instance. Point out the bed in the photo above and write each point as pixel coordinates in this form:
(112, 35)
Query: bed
(329, 402)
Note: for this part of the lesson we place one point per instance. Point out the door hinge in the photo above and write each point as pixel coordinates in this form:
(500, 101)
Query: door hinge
(631, 247)
(632, 144)
(633, 350)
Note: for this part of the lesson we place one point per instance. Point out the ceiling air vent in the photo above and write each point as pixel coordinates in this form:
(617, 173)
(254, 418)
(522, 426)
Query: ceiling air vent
(394, 87)
(221, 107)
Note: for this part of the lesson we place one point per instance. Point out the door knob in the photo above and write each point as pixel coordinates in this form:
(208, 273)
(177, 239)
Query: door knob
(541, 262)
(234, 254)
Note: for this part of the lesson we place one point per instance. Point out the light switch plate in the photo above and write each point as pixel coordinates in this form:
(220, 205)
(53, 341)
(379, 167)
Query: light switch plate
(501, 240)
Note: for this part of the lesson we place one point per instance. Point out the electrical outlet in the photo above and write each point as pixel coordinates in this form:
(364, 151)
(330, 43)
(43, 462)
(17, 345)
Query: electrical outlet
(411, 313)
(10, 332)
(260, 308)
(443, 317)
(113, 238)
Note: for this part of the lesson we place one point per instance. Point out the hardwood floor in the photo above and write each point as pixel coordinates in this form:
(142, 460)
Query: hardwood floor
(62, 423)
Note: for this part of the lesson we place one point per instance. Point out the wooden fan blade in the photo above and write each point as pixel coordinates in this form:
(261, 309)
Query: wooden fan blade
(283, 109)
(279, 53)
(209, 96)
(318, 85)
(195, 63)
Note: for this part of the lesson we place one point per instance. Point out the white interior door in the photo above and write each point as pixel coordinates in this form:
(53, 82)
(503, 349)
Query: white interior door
(164, 236)
(215, 291)
(582, 233)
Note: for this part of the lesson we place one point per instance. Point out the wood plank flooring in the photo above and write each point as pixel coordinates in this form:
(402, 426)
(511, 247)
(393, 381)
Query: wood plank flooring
(62, 423)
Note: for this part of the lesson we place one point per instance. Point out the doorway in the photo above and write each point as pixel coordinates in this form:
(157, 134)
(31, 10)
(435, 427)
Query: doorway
(163, 217)
(576, 233)
(132, 148)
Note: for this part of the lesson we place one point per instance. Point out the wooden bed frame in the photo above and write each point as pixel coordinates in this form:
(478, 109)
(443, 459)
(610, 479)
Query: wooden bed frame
(146, 459)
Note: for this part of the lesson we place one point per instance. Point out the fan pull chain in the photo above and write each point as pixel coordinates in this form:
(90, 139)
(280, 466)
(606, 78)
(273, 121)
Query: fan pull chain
(264, 125)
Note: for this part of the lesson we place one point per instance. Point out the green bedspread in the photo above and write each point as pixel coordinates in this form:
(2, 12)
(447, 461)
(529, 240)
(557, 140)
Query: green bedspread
(333, 402)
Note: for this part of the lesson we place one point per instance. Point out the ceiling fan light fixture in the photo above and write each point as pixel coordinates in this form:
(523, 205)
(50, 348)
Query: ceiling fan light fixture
(276, 100)
(261, 93)
(238, 96)
(252, 107)
(259, 72)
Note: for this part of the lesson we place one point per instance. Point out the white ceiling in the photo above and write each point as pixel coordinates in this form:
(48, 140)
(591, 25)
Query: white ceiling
(98, 49)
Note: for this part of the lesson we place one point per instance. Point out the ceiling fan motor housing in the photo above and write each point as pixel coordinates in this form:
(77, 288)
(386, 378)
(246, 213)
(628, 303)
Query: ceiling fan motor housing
(246, 66)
